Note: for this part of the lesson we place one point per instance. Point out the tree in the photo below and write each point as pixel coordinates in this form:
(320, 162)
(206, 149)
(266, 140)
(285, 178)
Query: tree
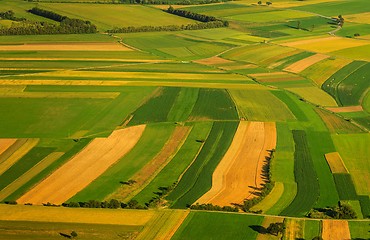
(298, 24)
(317, 238)
(74, 234)
(268, 3)
(275, 228)
(259, 2)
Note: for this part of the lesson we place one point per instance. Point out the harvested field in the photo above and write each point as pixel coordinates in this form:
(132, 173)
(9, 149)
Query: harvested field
(336, 163)
(240, 170)
(294, 229)
(66, 47)
(213, 61)
(346, 109)
(335, 229)
(327, 44)
(74, 215)
(301, 65)
(5, 164)
(151, 169)
(84, 167)
(6, 143)
(164, 225)
(39, 167)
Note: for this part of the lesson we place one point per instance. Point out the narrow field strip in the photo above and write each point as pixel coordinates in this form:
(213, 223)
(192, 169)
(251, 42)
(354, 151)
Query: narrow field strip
(240, 170)
(75, 215)
(271, 199)
(110, 95)
(213, 61)
(18, 154)
(335, 229)
(87, 59)
(294, 229)
(336, 163)
(84, 167)
(164, 226)
(5, 143)
(301, 65)
(19, 182)
(151, 169)
(66, 47)
(346, 109)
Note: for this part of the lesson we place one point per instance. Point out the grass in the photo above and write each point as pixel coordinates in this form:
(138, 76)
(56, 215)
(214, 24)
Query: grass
(183, 104)
(337, 124)
(197, 180)
(308, 189)
(208, 225)
(358, 53)
(353, 150)
(149, 145)
(314, 95)
(359, 229)
(108, 16)
(157, 108)
(261, 106)
(178, 165)
(56, 38)
(311, 229)
(214, 104)
(292, 104)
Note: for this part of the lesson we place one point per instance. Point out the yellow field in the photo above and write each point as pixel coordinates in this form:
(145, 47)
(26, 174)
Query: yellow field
(301, 65)
(271, 199)
(40, 166)
(266, 222)
(294, 229)
(18, 154)
(321, 71)
(335, 229)
(290, 4)
(359, 18)
(75, 215)
(314, 95)
(326, 45)
(5, 143)
(66, 47)
(241, 167)
(84, 167)
(164, 225)
(336, 163)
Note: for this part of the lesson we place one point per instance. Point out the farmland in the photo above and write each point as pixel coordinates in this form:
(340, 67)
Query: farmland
(145, 119)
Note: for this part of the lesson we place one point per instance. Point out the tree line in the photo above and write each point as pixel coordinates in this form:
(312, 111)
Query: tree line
(194, 26)
(156, 2)
(195, 16)
(66, 25)
(211, 207)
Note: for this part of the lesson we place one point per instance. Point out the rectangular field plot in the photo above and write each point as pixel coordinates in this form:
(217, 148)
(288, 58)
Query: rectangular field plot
(207, 225)
(272, 16)
(337, 124)
(314, 95)
(345, 186)
(336, 163)
(261, 106)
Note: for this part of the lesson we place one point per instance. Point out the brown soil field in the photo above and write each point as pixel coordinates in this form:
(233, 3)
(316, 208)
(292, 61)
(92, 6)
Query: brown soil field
(301, 65)
(84, 167)
(213, 61)
(335, 229)
(347, 109)
(336, 163)
(5, 143)
(239, 172)
(66, 47)
(151, 169)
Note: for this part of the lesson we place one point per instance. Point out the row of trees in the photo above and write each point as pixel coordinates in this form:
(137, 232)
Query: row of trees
(267, 186)
(113, 204)
(211, 207)
(342, 211)
(195, 26)
(195, 16)
(157, 2)
(66, 25)
(9, 15)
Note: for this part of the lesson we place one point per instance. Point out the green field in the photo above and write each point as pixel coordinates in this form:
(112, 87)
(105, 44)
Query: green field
(205, 225)
(287, 63)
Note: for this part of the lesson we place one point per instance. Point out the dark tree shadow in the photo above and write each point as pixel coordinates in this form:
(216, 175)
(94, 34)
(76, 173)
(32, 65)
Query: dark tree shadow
(259, 229)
